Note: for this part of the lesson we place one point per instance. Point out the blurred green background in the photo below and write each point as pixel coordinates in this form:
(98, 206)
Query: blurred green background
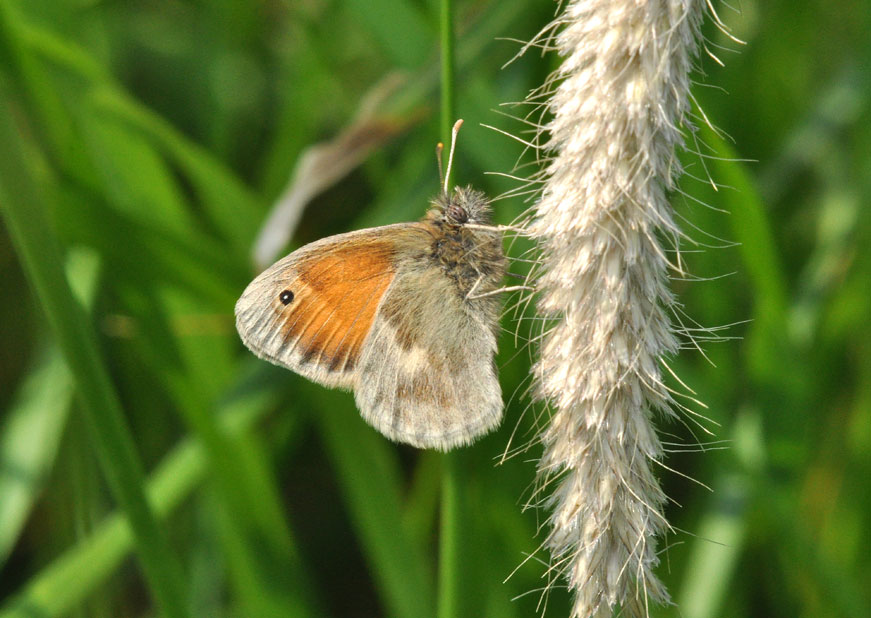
(144, 143)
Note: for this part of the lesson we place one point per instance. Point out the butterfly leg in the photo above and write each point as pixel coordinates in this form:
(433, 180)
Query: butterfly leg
(471, 293)
(513, 288)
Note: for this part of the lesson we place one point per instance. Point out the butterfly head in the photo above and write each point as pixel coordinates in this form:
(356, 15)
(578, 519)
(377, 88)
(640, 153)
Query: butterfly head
(465, 205)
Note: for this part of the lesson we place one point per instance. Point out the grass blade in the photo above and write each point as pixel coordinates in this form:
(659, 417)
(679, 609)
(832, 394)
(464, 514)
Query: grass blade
(24, 211)
(29, 439)
(73, 576)
(369, 478)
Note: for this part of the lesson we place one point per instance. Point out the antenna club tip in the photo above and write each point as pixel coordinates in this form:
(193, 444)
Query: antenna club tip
(446, 178)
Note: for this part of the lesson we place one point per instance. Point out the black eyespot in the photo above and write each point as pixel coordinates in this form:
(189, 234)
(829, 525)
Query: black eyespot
(457, 213)
(286, 297)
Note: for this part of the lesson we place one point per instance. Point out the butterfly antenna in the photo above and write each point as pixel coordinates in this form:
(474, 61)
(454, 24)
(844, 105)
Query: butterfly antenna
(454, 132)
(439, 149)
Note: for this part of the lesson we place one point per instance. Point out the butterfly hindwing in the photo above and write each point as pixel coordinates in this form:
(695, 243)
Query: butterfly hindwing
(427, 374)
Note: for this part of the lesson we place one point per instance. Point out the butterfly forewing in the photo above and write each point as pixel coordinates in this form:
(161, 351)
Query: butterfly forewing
(312, 311)
(341, 294)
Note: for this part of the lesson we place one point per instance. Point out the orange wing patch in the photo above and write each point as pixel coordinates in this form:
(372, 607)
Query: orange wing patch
(335, 297)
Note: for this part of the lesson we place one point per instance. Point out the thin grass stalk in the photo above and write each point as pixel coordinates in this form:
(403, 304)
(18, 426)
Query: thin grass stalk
(450, 525)
(618, 105)
(447, 41)
(24, 210)
(449, 539)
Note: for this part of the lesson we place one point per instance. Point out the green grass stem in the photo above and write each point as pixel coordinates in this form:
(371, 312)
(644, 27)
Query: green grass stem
(447, 95)
(449, 572)
(449, 597)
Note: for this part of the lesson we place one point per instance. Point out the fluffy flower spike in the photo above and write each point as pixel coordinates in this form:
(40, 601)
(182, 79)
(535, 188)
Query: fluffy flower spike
(618, 105)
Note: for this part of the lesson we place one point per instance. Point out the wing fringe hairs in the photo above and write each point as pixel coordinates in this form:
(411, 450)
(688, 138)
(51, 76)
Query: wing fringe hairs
(618, 109)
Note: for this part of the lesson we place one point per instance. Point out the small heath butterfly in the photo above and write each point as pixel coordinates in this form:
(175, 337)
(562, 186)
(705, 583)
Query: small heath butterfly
(405, 316)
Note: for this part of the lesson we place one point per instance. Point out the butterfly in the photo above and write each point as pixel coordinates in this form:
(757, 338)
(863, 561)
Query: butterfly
(405, 315)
